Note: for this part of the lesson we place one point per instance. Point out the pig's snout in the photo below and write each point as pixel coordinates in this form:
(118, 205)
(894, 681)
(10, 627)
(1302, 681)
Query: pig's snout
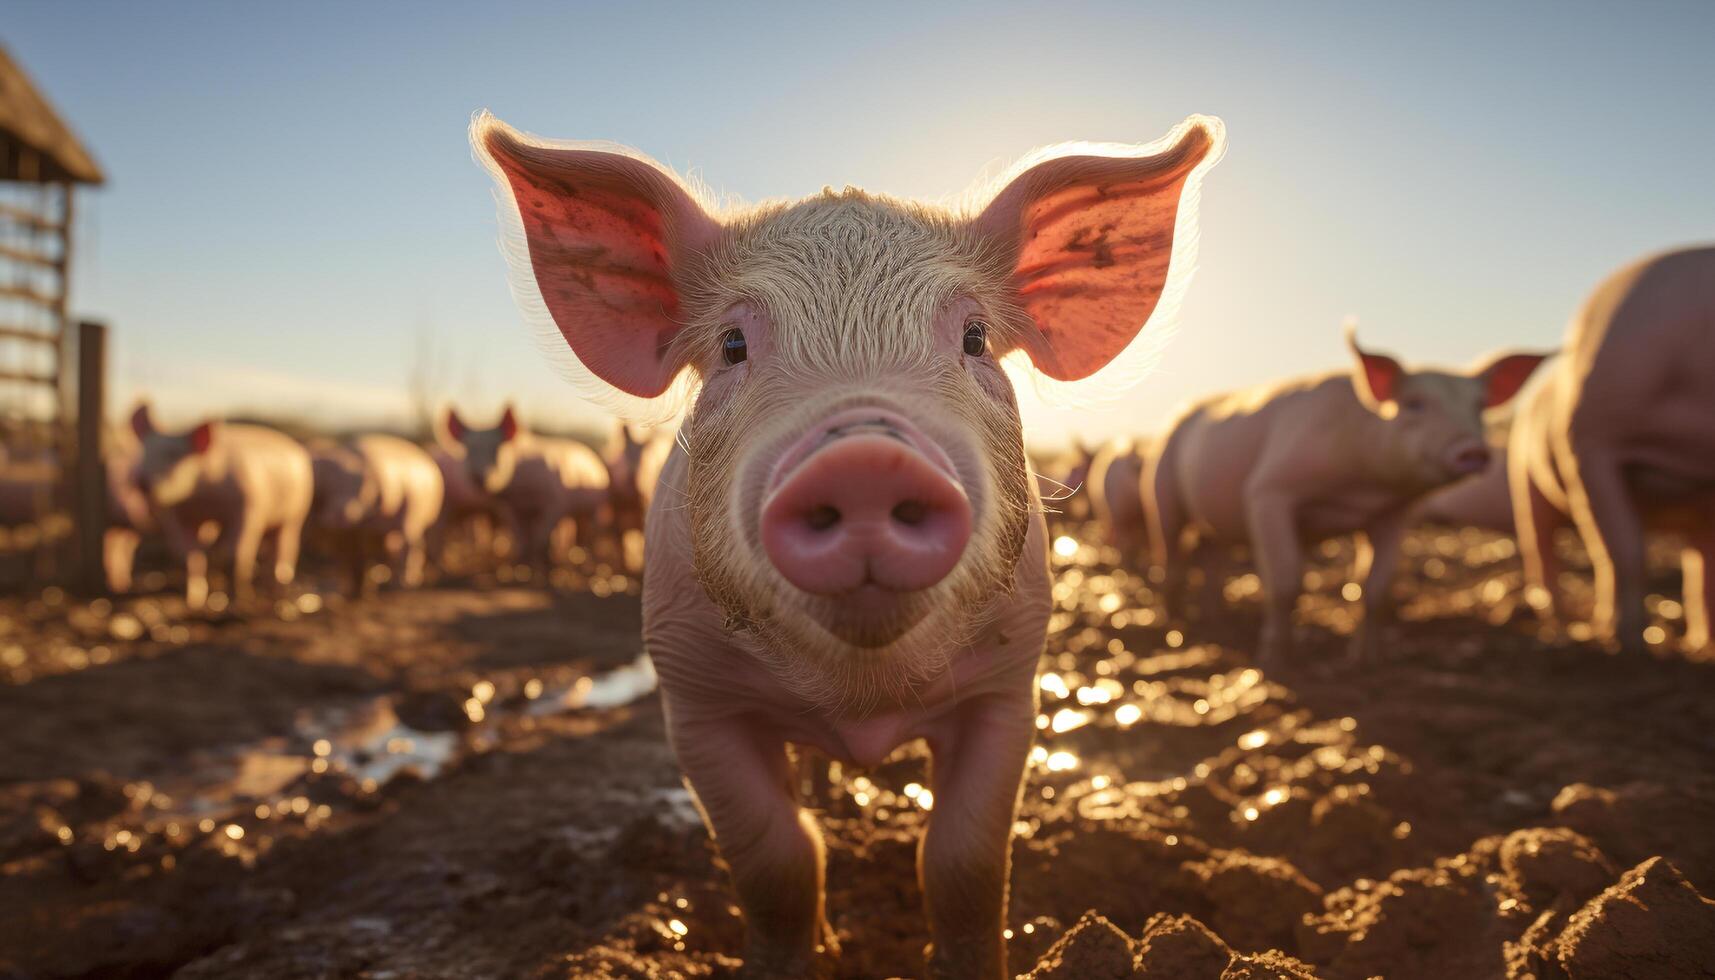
(864, 506)
(1468, 458)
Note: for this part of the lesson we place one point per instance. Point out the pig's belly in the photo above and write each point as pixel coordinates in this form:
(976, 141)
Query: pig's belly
(1322, 519)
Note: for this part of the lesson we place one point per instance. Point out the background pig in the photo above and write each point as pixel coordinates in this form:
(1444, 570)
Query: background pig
(240, 483)
(536, 481)
(1483, 500)
(1622, 439)
(623, 455)
(380, 494)
(467, 511)
(860, 558)
(1275, 467)
(128, 515)
(1116, 495)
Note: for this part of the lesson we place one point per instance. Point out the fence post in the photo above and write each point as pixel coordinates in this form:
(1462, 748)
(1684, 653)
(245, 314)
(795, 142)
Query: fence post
(90, 496)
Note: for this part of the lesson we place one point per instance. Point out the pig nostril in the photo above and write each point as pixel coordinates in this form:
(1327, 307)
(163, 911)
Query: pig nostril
(822, 518)
(910, 512)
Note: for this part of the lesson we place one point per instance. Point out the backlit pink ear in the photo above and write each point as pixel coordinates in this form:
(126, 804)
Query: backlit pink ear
(1505, 375)
(141, 422)
(1093, 237)
(508, 425)
(1377, 377)
(202, 437)
(608, 236)
(455, 426)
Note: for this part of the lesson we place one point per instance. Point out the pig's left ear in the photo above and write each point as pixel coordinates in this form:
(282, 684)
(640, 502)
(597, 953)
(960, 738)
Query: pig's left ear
(600, 242)
(1505, 375)
(508, 423)
(1101, 240)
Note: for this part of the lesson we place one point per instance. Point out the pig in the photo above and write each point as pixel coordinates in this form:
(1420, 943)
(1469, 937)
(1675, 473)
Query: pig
(465, 507)
(853, 555)
(128, 516)
(623, 455)
(380, 494)
(1116, 495)
(536, 481)
(1483, 500)
(1277, 466)
(652, 462)
(1622, 440)
(245, 481)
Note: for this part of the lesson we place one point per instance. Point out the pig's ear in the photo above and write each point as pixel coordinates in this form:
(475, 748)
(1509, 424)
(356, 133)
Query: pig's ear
(601, 240)
(142, 423)
(452, 429)
(508, 424)
(1377, 376)
(1505, 375)
(1101, 240)
(202, 437)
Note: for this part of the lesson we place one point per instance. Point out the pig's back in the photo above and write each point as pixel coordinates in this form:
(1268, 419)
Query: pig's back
(273, 470)
(1217, 445)
(1642, 356)
(578, 466)
(1115, 479)
(408, 477)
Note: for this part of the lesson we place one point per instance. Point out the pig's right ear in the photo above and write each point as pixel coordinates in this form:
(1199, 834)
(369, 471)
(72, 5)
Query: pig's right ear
(1101, 240)
(450, 433)
(604, 241)
(142, 424)
(1377, 378)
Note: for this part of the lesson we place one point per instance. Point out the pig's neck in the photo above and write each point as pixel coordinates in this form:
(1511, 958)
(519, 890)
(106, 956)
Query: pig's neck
(1385, 460)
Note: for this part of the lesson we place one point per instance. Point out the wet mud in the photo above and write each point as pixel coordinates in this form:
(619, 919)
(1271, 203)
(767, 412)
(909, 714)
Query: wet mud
(471, 781)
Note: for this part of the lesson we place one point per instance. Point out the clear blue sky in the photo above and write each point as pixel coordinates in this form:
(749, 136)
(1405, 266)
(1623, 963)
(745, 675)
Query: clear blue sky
(292, 203)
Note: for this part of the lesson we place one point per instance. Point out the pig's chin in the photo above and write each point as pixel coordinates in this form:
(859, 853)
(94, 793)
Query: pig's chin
(870, 617)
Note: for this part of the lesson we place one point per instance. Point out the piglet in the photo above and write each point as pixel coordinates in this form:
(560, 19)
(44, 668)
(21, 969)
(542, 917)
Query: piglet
(378, 495)
(1277, 466)
(1621, 440)
(535, 481)
(242, 482)
(853, 555)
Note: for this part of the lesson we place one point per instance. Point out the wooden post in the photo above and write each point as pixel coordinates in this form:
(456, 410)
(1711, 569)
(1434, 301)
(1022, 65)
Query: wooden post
(90, 496)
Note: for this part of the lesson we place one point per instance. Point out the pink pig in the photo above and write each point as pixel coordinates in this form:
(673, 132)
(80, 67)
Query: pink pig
(1622, 440)
(857, 558)
(1116, 496)
(535, 481)
(378, 495)
(1277, 466)
(244, 482)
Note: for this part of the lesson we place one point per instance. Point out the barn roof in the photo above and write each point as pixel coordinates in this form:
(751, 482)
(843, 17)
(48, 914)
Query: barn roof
(35, 143)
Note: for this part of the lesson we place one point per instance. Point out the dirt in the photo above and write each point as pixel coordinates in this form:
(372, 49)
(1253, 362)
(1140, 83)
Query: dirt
(471, 781)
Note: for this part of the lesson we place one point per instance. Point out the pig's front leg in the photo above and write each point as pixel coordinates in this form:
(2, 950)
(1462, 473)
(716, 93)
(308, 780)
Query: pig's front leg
(1699, 586)
(740, 775)
(965, 854)
(1382, 544)
(1272, 519)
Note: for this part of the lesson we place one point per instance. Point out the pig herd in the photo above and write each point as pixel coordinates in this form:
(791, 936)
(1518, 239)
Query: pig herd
(854, 554)
(224, 495)
(1612, 438)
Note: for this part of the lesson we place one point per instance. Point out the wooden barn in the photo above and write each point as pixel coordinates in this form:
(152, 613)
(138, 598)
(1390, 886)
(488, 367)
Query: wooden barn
(50, 366)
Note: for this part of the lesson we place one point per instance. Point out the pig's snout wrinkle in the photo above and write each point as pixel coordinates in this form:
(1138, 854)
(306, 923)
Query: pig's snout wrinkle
(865, 509)
(1468, 459)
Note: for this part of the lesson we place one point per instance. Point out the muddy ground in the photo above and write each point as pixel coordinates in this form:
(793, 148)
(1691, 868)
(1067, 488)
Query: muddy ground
(471, 781)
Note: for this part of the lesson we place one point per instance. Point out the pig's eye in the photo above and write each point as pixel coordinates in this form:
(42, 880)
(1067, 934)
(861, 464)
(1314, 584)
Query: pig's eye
(976, 338)
(1412, 404)
(733, 349)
